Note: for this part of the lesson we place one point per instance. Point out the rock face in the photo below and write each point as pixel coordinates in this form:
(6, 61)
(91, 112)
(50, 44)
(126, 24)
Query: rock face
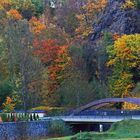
(113, 19)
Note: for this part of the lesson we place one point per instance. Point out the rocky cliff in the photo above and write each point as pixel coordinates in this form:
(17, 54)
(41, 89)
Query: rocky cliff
(115, 20)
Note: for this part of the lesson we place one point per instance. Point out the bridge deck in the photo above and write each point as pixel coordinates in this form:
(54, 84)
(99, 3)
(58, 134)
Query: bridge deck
(91, 119)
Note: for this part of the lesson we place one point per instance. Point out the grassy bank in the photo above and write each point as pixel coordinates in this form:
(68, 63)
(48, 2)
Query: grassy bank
(124, 130)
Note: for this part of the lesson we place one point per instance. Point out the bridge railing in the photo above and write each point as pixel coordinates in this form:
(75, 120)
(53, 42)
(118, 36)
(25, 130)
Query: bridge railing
(108, 112)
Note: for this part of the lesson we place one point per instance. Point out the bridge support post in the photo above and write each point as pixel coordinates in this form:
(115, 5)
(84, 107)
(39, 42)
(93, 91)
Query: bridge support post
(100, 128)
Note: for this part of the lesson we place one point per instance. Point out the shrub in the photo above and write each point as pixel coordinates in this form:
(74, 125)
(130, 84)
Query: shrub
(6, 87)
(59, 128)
(4, 117)
(8, 105)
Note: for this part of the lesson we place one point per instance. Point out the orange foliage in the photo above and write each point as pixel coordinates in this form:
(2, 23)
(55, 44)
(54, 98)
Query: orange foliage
(36, 25)
(14, 14)
(116, 36)
(95, 5)
(56, 70)
(46, 49)
(87, 16)
(55, 57)
(60, 63)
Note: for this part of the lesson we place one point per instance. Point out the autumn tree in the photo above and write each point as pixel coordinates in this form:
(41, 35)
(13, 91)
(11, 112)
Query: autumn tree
(23, 68)
(87, 15)
(55, 58)
(50, 46)
(5, 4)
(36, 26)
(14, 14)
(124, 58)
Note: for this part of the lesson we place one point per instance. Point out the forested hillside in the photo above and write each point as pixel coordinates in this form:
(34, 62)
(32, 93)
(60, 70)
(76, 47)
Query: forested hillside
(66, 53)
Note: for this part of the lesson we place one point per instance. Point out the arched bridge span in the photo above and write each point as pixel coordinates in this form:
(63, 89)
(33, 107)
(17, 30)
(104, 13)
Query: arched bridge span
(106, 101)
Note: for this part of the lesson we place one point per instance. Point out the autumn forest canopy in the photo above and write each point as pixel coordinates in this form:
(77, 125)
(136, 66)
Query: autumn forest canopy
(66, 53)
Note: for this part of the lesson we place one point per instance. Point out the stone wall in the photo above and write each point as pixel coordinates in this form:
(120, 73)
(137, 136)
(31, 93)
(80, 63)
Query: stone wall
(22, 130)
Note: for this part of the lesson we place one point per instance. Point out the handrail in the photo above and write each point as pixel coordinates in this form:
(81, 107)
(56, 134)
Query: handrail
(104, 101)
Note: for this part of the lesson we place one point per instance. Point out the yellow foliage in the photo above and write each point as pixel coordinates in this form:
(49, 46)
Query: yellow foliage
(124, 56)
(5, 3)
(130, 106)
(126, 50)
(128, 4)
